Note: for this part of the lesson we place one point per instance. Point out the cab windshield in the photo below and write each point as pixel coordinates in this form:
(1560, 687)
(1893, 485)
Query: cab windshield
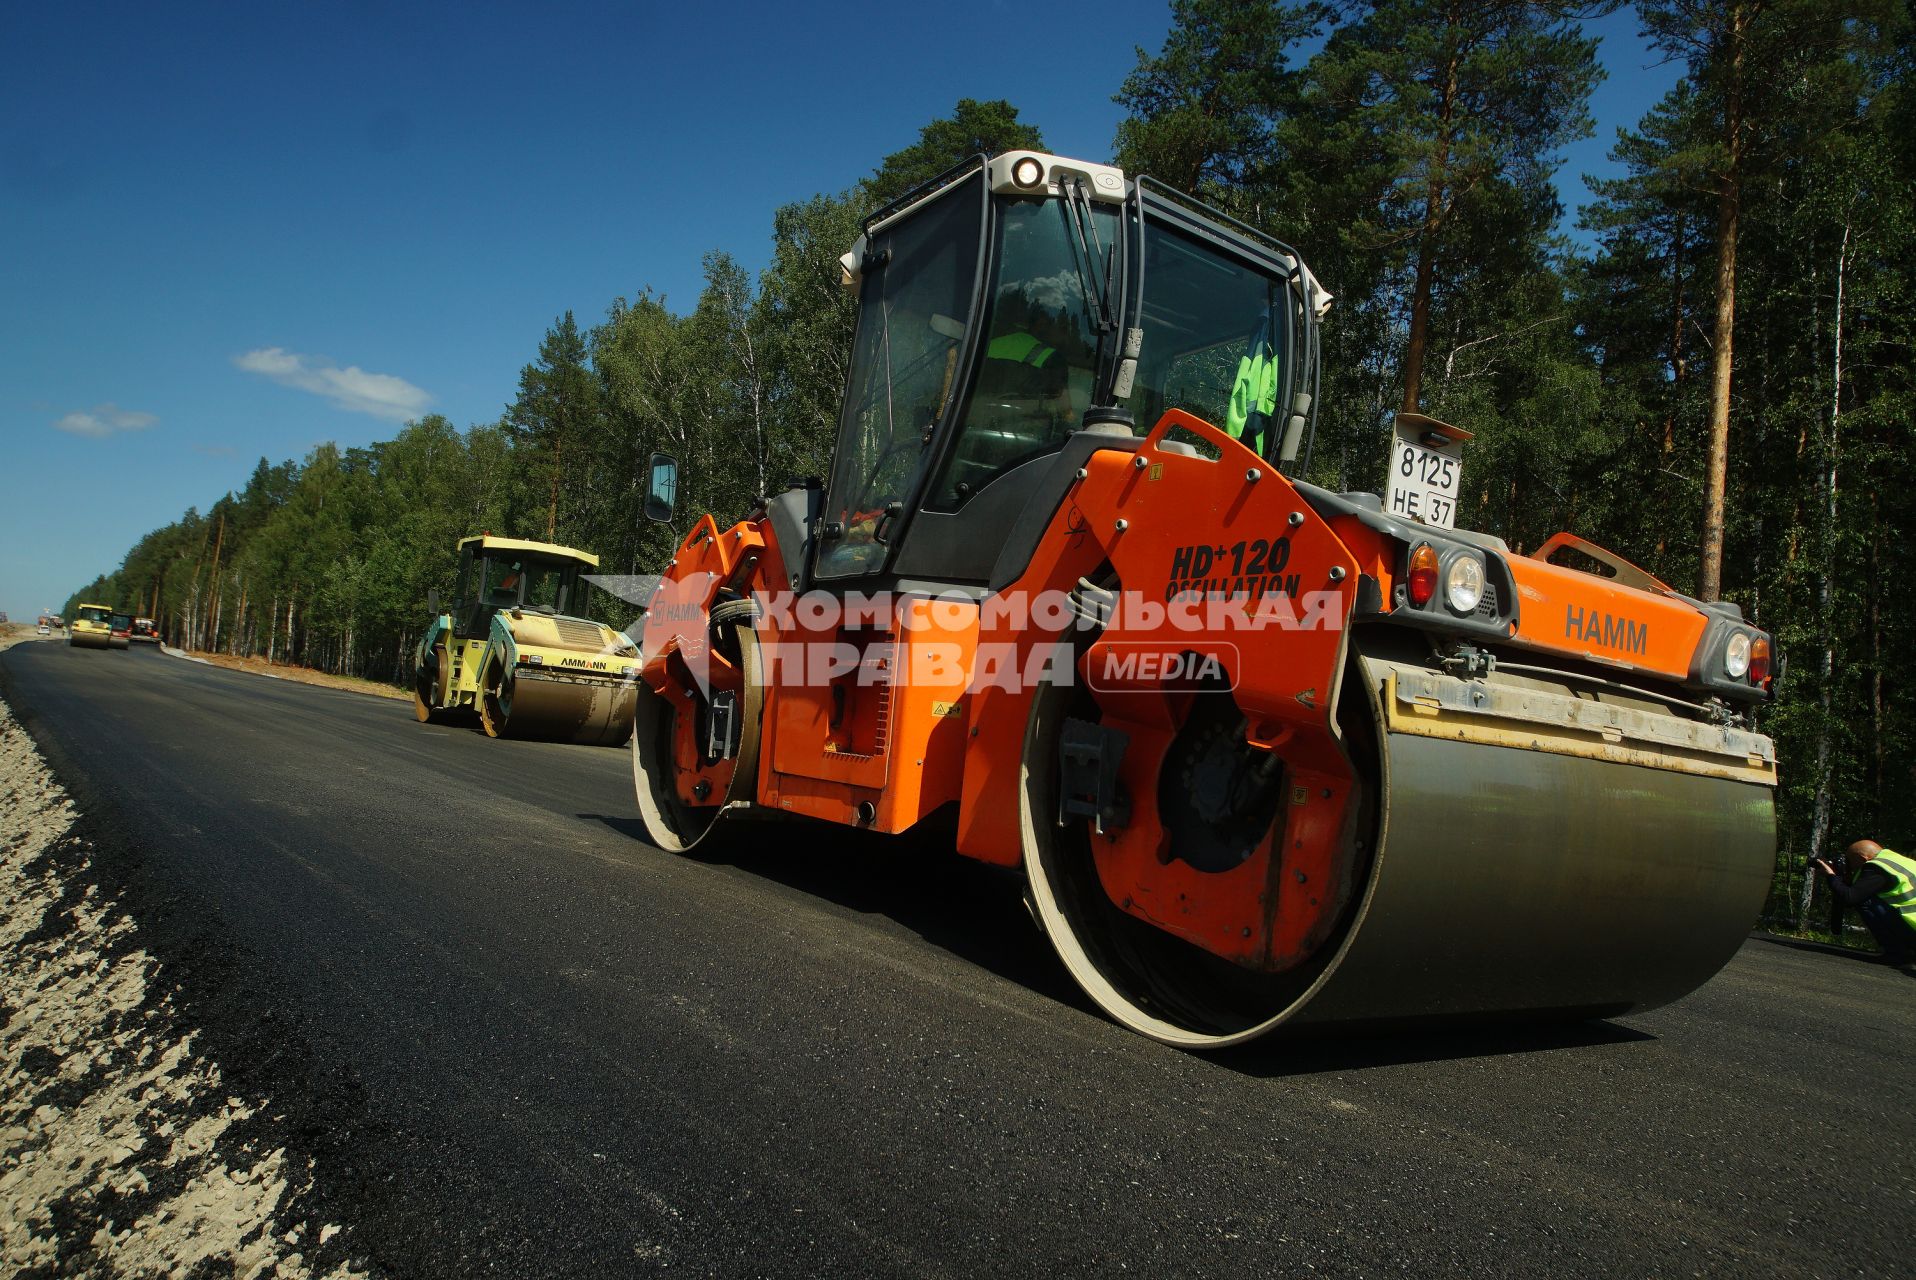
(96, 615)
(546, 586)
(528, 582)
(1040, 357)
(1217, 334)
(914, 301)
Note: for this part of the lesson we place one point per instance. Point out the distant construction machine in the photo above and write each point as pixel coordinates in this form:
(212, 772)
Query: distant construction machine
(515, 647)
(1266, 754)
(92, 627)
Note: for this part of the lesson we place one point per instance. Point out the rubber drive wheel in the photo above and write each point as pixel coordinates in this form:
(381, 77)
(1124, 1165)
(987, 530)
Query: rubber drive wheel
(495, 704)
(425, 688)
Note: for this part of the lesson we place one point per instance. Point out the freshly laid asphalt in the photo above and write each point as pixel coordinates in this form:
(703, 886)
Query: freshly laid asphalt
(566, 1053)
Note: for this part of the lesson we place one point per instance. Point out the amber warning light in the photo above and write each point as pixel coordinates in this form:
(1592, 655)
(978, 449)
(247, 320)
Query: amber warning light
(1423, 574)
(1760, 662)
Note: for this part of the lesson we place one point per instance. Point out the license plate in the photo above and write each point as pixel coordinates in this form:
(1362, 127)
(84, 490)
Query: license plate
(1424, 482)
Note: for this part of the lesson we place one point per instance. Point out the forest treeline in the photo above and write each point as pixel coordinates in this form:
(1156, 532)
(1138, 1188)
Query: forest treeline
(1716, 381)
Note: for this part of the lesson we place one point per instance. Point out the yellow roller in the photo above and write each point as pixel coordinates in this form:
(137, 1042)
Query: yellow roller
(92, 627)
(509, 648)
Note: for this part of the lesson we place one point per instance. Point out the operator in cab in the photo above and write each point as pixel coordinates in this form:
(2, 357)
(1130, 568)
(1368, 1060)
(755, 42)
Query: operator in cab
(506, 594)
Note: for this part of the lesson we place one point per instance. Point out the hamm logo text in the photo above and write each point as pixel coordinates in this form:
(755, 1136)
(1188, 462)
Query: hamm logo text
(1593, 626)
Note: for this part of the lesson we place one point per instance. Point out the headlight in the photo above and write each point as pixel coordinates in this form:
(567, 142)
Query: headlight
(1028, 172)
(1464, 584)
(1736, 655)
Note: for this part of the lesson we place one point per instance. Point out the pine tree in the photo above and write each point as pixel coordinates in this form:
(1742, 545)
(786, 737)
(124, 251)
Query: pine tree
(972, 128)
(1773, 76)
(554, 414)
(1205, 109)
(1429, 124)
(1641, 303)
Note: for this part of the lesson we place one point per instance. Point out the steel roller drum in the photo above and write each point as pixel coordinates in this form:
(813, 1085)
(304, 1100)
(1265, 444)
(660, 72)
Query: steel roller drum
(1514, 881)
(566, 708)
(675, 827)
(1548, 866)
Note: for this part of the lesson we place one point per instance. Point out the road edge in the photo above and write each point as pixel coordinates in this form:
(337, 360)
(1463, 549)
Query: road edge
(203, 989)
(394, 695)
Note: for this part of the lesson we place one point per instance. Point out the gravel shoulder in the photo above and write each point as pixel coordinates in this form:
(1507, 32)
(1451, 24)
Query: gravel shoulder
(128, 1145)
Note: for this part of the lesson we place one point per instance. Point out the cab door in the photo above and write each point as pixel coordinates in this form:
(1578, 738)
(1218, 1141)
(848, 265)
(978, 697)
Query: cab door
(832, 738)
(919, 280)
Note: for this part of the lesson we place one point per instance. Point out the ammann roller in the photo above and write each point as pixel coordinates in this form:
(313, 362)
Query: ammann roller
(92, 627)
(1266, 754)
(515, 647)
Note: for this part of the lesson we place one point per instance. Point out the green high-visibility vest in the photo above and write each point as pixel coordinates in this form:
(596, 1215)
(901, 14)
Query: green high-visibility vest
(1020, 348)
(1254, 394)
(1901, 895)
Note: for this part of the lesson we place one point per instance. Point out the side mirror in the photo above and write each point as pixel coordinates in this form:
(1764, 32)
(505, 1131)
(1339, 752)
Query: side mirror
(662, 493)
(432, 602)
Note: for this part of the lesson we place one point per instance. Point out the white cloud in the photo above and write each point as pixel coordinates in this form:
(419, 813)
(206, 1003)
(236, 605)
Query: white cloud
(104, 420)
(352, 388)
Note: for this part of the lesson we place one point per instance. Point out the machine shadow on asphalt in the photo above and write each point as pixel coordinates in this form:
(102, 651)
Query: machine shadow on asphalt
(974, 912)
(966, 908)
(1348, 1049)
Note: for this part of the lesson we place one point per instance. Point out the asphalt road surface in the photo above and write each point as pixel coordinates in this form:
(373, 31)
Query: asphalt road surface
(568, 1053)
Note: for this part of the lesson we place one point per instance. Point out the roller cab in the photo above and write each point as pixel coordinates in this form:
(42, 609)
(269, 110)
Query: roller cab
(1265, 753)
(512, 650)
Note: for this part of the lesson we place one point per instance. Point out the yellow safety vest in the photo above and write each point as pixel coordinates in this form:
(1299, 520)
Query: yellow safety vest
(1901, 896)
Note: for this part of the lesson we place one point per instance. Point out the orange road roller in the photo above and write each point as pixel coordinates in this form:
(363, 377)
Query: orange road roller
(1265, 754)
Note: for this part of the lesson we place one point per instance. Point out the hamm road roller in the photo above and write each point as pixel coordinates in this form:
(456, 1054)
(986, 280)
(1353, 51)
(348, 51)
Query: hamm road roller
(1266, 754)
(508, 649)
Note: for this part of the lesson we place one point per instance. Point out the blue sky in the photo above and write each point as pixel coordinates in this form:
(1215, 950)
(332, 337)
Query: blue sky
(237, 231)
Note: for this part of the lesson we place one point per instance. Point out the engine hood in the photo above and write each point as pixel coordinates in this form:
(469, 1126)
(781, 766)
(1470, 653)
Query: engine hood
(579, 635)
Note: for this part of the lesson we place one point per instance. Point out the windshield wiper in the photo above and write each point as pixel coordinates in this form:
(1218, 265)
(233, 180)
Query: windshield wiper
(1092, 256)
